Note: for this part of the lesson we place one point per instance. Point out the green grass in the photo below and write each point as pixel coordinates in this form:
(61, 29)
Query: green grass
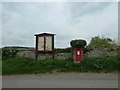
(22, 65)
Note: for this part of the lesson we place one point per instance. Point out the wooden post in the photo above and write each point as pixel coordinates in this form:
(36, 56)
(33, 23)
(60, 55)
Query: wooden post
(53, 53)
(36, 52)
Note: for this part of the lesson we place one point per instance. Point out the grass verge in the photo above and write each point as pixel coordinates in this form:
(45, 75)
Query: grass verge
(22, 65)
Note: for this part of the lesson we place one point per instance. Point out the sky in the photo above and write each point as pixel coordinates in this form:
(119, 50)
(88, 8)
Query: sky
(68, 20)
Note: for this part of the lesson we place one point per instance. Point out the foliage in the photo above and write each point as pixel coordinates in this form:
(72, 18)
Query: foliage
(8, 53)
(101, 42)
(78, 43)
(18, 47)
(21, 65)
(62, 50)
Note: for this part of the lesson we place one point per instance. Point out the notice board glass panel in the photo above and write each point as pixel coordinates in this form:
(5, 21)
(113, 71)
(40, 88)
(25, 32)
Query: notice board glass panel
(48, 43)
(40, 43)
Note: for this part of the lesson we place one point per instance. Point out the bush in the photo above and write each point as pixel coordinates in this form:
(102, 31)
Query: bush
(62, 50)
(101, 42)
(8, 53)
(78, 43)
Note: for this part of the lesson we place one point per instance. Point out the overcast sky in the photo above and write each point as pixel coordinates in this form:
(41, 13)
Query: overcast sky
(68, 20)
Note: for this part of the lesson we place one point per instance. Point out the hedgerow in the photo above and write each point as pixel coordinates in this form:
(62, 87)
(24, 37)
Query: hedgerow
(8, 53)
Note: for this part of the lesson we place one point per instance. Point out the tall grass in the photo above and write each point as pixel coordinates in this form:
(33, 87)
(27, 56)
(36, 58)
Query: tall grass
(22, 65)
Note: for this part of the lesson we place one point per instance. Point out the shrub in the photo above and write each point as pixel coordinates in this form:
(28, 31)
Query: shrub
(8, 53)
(101, 42)
(78, 43)
(62, 50)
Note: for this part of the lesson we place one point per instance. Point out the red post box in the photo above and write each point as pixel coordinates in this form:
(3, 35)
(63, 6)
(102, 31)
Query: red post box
(78, 54)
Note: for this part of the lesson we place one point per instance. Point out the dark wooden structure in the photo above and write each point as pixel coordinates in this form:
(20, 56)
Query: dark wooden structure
(44, 43)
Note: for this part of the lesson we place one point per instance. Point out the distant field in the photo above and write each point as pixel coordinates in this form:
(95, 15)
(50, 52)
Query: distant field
(22, 65)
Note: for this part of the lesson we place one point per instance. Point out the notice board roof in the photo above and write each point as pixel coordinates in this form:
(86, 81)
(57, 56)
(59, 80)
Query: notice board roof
(41, 34)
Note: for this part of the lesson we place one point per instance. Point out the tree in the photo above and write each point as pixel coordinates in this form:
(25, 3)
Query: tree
(78, 43)
(101, 42)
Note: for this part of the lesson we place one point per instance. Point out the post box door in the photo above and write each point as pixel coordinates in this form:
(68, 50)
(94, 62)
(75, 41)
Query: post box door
(78, 54)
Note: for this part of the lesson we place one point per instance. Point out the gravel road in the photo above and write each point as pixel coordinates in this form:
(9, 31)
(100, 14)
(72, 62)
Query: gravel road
(62, 80)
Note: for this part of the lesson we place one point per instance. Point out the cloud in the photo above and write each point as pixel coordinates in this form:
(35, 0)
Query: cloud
(67, 20)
